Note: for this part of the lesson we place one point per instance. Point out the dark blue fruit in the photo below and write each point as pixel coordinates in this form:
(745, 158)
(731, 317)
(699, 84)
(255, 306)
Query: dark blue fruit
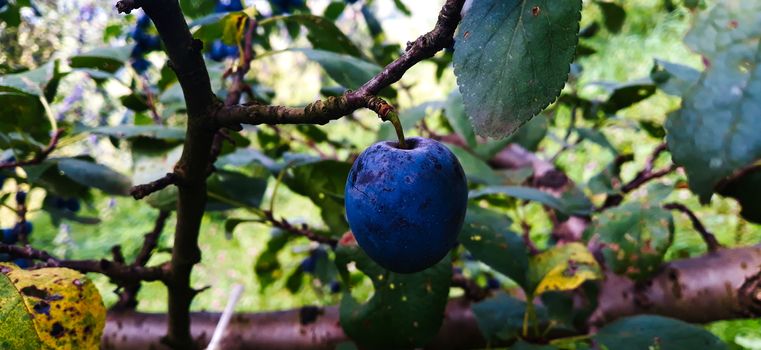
(335, 287)
(492, 283)
(20, 197)
(141, 64)
(228, 6)
(9, 236)
(23, 263)
(406, 206)
(23, 227)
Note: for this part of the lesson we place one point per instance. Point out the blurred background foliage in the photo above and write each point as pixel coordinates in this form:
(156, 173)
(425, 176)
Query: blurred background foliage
(617, 53)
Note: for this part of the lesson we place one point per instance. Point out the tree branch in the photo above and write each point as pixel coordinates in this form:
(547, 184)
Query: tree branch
(39, 157)
(714, 287)
(321, 112)
(707, 236)
(128, 294)
(142, 191)
(302, 230)
(117, 272)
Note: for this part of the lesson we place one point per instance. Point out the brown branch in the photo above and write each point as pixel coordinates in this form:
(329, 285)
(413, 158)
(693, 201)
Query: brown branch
(323, 111)
(142, 191)
(698, 290)
(117, 272)
(643, 176)
(128, 293)
(707, 236)
(301, 230)
(39, 157)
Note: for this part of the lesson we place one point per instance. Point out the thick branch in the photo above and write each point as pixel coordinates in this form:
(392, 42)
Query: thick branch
(714, 287)
(708, 237)
(39, 157)
(119, 273)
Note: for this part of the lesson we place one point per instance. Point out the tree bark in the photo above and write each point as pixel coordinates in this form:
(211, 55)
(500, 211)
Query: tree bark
(718, 286)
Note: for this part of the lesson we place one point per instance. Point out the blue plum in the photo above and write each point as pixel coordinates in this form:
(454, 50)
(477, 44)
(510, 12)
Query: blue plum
(406, 206)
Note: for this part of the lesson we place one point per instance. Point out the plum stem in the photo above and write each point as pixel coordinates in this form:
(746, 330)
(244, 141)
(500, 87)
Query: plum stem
(393, 117)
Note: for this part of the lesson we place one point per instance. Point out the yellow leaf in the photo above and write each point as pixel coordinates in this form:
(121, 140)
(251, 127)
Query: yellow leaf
(563, 267)
(65, 306)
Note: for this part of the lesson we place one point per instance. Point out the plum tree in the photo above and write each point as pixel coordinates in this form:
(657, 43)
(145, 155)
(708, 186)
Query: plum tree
(539, 205)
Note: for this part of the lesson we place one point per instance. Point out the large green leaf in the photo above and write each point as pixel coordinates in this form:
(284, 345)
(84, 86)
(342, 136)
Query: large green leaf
(455, 113)
(405, 311)
(349, 71)
(571, 204)
(635, 237)
(323, 182)
(18, 330)
(500, 318)
(107, 59)
(135, 131)
(512, 58)
(94, 175)
(40, 81)
(656, 332)
(24, 114)
(322, 33)
(715, 132)
(487, 237)
(476, 169)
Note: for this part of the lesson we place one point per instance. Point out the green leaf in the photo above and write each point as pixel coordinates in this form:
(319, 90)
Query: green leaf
(267, 266)
(408, 306)
(158, 132)
(512, 58)
(349, 71)
(561, 268)
(635, 237)
(334, 10)
(24, 114)
(234, 189)
(500, 318)
(476, 170)
(322, 33)
(745, 190)
(402, 7)
(107, 59)
(713, 134)
(323, 182)
(487, 237)
(196, 8)
(673, 78)
(95, 175)
(656, 332)
(60, 303)
(614, 15)
(32, 82)
(522, 345)
(18, 330)
(570, 205)
(627, 94)
(455, 113)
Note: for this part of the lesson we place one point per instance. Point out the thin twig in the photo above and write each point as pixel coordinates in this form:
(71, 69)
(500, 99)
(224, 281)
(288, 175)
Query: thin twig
(707, 236)
(142, 191)
(301, 230)
(39, 157)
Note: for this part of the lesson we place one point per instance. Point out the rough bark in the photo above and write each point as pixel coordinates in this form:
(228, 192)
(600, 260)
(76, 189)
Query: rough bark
(713, 287)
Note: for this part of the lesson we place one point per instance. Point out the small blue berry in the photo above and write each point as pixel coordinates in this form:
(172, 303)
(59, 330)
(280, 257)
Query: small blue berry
(20, 197)
(309, 264)
(23, 228)
(141, 65)
(492, 283)
(23, 263)
(9, 237)
(335, 287)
